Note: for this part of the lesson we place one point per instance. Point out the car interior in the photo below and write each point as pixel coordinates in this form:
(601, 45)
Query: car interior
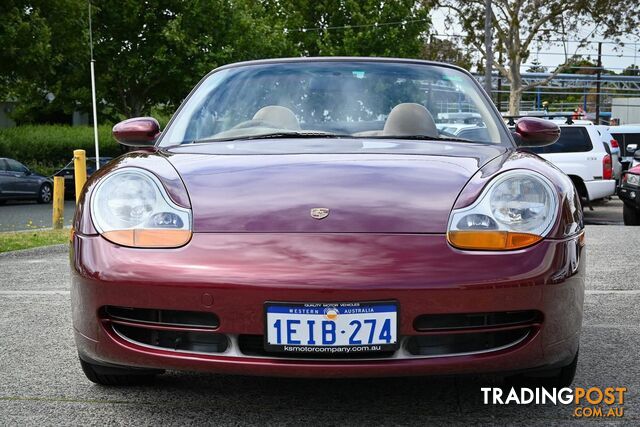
(405, 119)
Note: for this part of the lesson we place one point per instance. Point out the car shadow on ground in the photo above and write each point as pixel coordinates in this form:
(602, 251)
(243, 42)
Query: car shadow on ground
(605, 212)
(391, 401)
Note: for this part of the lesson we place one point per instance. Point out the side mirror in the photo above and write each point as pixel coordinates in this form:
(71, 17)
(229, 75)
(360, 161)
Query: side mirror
(137, 132)
(632, 148)
(534, 132)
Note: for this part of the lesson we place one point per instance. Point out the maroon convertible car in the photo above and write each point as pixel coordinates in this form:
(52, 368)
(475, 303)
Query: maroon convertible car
(313, 218)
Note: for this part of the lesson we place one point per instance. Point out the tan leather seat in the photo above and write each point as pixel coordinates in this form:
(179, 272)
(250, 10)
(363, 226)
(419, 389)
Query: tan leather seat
(409, 119)
(278, 117)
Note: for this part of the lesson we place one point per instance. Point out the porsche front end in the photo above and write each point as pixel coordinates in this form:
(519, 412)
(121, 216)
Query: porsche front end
(339, 232)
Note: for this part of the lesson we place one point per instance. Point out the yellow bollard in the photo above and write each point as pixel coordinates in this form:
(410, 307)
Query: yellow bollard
(79, 170)
(58, 202)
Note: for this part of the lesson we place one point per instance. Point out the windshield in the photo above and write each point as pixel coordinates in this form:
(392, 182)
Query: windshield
(336, 99)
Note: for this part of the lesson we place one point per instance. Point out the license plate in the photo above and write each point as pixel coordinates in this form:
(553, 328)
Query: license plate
(331, 327)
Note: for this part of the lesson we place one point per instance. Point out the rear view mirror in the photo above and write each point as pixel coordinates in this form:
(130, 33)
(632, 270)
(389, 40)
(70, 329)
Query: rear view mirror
(535, 132)
(137, 132)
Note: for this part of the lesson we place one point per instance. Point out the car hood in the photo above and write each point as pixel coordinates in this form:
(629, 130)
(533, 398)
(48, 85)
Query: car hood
(411, 190)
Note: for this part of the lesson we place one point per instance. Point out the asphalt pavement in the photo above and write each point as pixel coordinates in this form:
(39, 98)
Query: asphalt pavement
(27, 215)
(41, 382)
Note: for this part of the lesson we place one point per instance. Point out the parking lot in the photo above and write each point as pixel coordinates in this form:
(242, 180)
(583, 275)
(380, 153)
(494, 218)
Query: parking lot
(16, 216)
(42, 382)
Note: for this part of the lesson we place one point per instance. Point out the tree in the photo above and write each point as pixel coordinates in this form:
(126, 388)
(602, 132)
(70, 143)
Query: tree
(153, 52)
(579, 65)
(631, 70)
(352, 27)
(444, 50)
(536, 67)
(517, 24)
(25, 40)
(42, 59)
(147, 53)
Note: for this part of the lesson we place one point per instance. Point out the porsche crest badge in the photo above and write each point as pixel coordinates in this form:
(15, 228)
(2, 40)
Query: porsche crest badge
(319, 213)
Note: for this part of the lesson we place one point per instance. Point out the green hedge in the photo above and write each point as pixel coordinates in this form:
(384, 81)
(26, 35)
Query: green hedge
(47, 148)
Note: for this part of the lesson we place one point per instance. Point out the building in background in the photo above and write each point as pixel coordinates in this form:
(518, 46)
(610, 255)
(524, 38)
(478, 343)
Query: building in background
(626, 110)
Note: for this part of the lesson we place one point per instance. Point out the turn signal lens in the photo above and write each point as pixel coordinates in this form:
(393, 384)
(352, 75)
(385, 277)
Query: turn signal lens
(492, 240)
(149, 238)
(582, 239)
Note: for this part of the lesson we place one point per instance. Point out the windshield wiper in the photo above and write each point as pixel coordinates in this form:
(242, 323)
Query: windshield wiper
(283, 135)
(423, 138)
(274, 135)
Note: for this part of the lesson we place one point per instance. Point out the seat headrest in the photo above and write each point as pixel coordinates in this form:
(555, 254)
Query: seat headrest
(410, 119)
(278, 117)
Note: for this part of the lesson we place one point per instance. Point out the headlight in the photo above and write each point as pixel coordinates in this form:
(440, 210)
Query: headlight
(515, 210)
(632, 179)
(131, 208)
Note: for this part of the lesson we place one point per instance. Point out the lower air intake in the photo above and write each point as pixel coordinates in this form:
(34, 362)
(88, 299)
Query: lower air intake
(176, 330)
(188, 341)
(468, 343)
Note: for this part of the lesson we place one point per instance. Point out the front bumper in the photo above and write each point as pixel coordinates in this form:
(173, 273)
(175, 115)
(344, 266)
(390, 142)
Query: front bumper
(232, 275)
(600, 188)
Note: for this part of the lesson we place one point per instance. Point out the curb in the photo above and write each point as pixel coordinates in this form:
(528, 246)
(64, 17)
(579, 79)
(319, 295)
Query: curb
(39, 251)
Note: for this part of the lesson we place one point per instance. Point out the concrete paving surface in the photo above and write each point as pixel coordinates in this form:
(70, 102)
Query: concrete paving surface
(41, 382)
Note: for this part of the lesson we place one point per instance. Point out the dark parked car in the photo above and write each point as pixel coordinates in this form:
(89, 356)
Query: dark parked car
(17, 182)
(306, 218)
(68, 173)
(629, 193)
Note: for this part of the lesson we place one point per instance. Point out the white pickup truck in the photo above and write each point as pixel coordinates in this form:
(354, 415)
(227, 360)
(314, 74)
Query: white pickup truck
(581, 154)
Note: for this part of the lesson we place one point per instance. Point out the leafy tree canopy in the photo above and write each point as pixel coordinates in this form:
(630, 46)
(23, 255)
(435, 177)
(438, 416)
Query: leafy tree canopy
(631, 70)
(352, 27)
(43, 42)
(443, 50)
(152, 52)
